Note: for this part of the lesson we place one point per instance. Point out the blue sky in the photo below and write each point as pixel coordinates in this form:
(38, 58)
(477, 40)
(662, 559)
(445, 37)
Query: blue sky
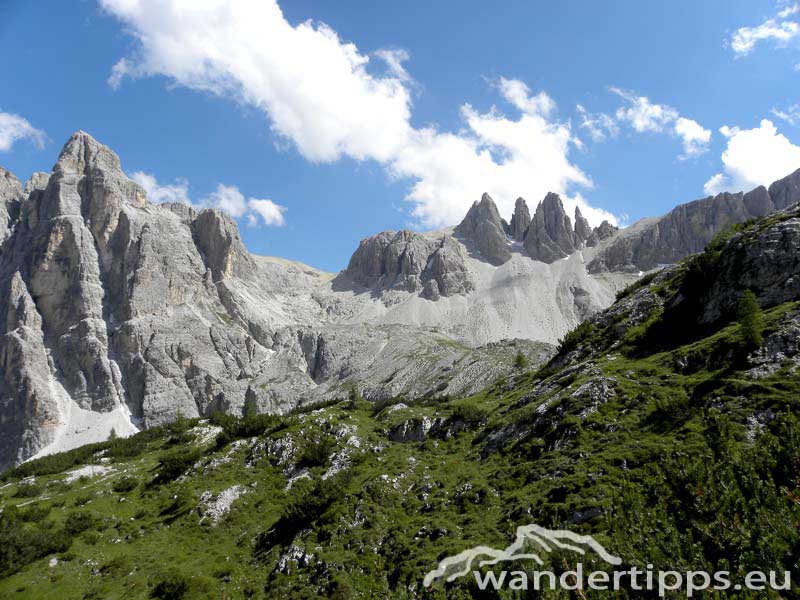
(383, 115)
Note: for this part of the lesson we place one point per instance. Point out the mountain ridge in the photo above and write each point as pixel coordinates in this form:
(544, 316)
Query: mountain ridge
(122, 314)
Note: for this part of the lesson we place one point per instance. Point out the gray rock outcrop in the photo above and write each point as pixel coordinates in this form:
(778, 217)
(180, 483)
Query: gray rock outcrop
(602, 232)
(484, 227)
(111, 304)
(10, 198)
(582, 229)
(411, 262)
(520, 220)
(550, 235)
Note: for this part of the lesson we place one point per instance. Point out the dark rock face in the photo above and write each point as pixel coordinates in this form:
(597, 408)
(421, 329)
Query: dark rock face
(520, 221)
(484, 227)
(411, 262)
(688, 228)
(582, 228)
(550, 235)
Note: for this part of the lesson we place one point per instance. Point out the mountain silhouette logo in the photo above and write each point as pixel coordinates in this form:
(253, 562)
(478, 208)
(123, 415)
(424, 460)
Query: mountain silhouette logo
(453, 567)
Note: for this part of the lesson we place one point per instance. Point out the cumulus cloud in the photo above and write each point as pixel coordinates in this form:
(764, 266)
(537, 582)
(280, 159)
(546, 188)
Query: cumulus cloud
(14, 128)
(753, 157)
(270, 213)
(329, 100)
(227, 198)
(642, 116)
(694, 137)
(779, 29)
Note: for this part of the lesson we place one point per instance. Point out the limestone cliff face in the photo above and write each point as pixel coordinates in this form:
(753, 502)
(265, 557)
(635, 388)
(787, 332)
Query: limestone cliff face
(110, 303)
(689, 227)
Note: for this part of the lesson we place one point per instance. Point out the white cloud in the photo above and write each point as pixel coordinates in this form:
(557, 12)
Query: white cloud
(519, 95)
(394, 59)
(695, 138)
(270, 213)
(177, 192)
(600, 126)
(14, 128)
(791, 115)
(745, 39)
(226, 198)
(319, 93)
(753, 157)
(229, 199)
(645, 116)
(716, 184)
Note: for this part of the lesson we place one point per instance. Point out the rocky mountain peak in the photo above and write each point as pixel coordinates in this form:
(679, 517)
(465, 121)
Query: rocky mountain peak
(410, 262)
(82, 152)
(603, 231)
(550, 235)
(484, 227)
(582, 228)
(521, 220)
(217, 238)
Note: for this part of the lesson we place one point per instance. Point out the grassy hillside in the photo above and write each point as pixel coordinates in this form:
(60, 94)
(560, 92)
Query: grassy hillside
(673, 444)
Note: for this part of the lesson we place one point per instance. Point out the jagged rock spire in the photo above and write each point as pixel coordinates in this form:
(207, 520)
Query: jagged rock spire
(550, 235)
(521, 220)
(582, 228)
(484, 227)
